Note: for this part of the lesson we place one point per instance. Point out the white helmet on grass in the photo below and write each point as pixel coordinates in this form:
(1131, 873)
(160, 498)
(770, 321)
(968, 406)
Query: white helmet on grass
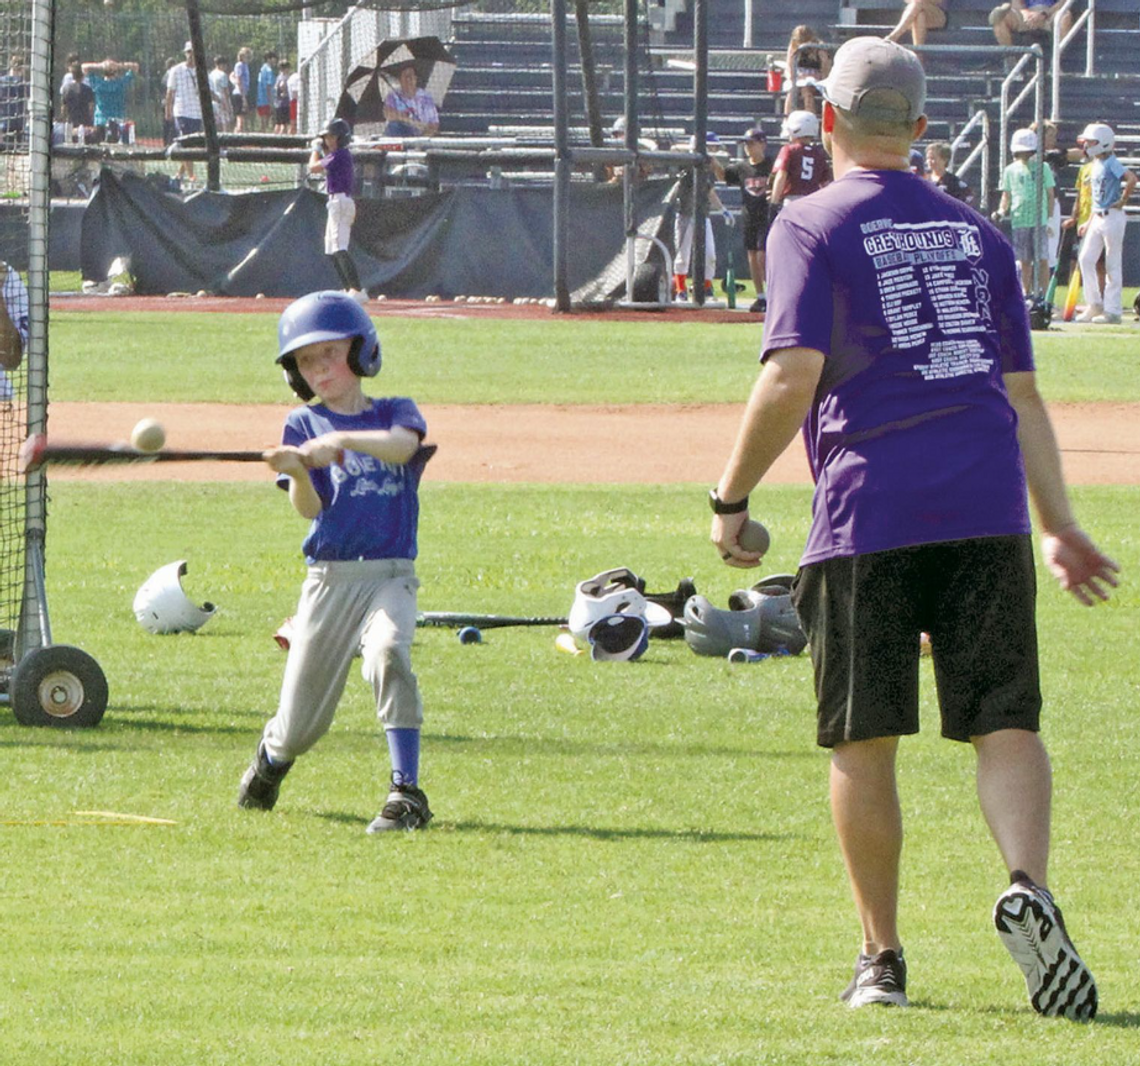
(162, 607)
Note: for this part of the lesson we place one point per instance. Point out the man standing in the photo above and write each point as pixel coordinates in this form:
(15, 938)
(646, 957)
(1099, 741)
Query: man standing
(183, 107)
(897, 335)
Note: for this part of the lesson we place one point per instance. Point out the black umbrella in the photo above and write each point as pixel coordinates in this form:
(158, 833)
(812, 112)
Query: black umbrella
(368, 85)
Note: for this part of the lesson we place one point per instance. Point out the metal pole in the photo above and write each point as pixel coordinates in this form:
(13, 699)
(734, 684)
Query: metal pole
(562, 160)
(205, 98)
(632, 134)
(1039, 188)
(33, 627)
(700, 129)
(589, 79)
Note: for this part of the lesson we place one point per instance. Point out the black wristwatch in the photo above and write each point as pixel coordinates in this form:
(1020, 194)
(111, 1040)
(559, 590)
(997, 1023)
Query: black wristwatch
(720, 507)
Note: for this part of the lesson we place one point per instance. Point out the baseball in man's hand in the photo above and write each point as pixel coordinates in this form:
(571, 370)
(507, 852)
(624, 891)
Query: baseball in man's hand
(754, 537)
(148, 435)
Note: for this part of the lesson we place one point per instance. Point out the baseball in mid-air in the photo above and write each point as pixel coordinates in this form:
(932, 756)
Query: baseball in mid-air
(754, 537)
(148, 435)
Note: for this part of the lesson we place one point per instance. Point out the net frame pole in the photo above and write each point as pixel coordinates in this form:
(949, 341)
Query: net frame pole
(700, 130)
(563, 164)
(34, 627)
(632, 137)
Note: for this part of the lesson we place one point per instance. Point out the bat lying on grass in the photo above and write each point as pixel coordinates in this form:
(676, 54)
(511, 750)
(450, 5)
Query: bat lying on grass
(454, 620)
(36, 451)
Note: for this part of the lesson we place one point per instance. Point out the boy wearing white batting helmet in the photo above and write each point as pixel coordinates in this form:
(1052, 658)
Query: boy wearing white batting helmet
(1111, 184)
(802, 165)
(352, 465)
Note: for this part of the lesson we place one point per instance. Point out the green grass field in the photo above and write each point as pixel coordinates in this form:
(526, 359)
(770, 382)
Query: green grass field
(630, 864)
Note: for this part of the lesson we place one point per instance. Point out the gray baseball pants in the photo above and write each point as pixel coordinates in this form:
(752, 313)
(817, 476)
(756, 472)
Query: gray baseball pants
(367, 604)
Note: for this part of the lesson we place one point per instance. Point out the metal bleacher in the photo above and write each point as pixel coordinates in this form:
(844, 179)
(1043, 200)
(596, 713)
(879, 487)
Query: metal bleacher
(503, 74)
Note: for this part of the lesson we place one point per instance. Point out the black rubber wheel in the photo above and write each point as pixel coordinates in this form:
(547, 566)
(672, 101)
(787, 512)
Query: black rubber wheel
(59, 686)
(650, 284)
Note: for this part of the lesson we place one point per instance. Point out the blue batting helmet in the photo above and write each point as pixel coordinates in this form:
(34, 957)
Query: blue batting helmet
(326, 316)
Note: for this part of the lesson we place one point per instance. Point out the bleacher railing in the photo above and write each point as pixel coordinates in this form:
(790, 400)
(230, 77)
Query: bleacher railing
(1087, 21)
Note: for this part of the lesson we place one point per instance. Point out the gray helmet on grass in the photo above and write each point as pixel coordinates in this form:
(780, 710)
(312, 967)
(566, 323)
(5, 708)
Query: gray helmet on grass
(760, 621)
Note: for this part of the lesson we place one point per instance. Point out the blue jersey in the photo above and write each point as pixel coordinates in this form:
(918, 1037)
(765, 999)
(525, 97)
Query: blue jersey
(265, 80)
(1107, 181)
(369, 509)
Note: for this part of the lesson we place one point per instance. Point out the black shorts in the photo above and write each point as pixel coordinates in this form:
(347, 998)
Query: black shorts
(864, 614)
(755, 231)
(237, 103)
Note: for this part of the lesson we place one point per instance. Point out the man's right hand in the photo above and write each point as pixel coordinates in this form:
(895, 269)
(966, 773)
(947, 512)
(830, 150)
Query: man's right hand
(1078, 565)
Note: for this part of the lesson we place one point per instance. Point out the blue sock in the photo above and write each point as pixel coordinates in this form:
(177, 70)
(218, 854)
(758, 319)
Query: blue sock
(404, 749)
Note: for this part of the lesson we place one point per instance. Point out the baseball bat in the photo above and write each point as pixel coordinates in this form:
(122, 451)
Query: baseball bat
(1073, 294)
(456, 620)
(36, 451)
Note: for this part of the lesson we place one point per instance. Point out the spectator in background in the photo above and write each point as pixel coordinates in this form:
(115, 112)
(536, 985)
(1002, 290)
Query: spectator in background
(811, 66)
(69, 76)
(684, 198)
(281, 98)
(239, 88)
(266, 77)
(110, 81)
(220, 92)
(183, 106)
(168, 129)
(13, 102)
(78, 99)
(410, 111)
(919, 16)
(294, 99)
(938, 167)
(1029, 16)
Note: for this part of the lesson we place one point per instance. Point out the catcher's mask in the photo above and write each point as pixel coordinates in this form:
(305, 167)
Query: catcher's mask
(612, 592)
(326, 316)
(761, 618)
(162, 607)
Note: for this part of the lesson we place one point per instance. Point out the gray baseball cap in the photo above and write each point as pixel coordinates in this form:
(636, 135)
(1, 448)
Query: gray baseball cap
(871, 64)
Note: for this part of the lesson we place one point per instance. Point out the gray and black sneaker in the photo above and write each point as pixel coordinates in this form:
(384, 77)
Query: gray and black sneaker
(1032, 929)
(261, 782)
(405, 808)
(878, 978)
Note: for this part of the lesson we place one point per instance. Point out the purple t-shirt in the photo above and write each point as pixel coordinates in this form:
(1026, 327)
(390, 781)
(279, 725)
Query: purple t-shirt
(338, 172)
(369, 509)
(914, 301)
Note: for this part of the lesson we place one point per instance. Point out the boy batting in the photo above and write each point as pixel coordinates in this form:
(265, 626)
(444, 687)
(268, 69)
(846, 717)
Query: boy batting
(352, 466)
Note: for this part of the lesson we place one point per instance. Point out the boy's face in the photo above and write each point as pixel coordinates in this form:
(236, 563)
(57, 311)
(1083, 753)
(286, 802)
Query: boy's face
(755, 150)
(934, 162)
(324, 366)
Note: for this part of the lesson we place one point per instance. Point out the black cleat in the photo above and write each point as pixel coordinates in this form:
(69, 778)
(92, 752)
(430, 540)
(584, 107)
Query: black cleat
(406, 808)
(261, 782)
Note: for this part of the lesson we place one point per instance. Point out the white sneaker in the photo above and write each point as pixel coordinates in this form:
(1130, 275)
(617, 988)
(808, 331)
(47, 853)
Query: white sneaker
(1030, 925)
(1107, 320)
(1090, 313)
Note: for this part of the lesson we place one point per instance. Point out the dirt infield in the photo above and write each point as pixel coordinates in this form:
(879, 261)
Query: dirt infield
(400, 308)
(637, 444)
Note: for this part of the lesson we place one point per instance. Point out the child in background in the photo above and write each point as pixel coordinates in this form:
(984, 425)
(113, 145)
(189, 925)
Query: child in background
(352, 465)
(1110, 184)
(938, 167)
(281, 98)
(333, 158)
(1019, 205)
